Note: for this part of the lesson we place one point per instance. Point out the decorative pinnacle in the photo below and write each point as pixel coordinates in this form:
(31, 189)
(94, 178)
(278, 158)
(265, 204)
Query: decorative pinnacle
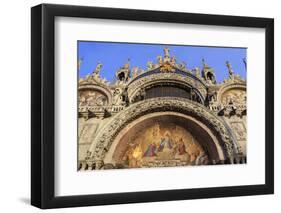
(228, 64)
(229, 67)
(80, 61)
(98, 68)
(204, 63)
(127, 65)
(167, 52)
(245, 63)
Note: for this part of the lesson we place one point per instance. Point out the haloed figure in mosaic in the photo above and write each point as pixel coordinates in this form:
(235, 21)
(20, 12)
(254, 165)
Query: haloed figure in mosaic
(161, 111)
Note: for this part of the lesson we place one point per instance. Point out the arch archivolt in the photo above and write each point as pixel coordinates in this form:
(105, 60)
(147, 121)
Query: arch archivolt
(108, 137)
(213, 146)
(229, 87)
(106, 92)
(173, 78)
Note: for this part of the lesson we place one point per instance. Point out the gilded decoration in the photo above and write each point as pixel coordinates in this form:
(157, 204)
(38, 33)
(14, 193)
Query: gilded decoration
(163, 143)
(199, 121)
(161, 104)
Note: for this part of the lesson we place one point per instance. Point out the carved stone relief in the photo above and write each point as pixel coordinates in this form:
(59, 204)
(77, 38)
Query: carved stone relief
(234, 96)
(239, 129)
(107, 108)
(104, 139)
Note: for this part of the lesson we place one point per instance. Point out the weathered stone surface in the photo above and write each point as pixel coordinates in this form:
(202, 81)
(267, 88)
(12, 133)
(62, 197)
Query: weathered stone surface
(105, 109)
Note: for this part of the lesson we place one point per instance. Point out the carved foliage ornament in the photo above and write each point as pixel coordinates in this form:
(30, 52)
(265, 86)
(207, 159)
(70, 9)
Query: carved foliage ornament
(156, 105)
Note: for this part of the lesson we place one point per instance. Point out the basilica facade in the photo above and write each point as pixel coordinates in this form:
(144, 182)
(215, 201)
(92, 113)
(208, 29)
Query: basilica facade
(163, 116)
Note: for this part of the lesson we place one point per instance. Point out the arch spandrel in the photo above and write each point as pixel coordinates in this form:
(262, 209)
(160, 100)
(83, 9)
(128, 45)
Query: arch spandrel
(139, 109)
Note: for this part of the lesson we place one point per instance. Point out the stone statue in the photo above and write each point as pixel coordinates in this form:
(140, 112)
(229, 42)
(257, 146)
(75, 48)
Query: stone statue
(149, 65)
(182, 65)
(160, 59)
(230, 70)
(214, 97)
(97, 69)
(135, 72)
(125, 97)
(245, 63)
(117, 97)
(115, 114)
(127, 65)
(197, 72)
(123, 74)
(166, 52)
(80, 63)
(208, 73)
(173, 60)
(204, 63)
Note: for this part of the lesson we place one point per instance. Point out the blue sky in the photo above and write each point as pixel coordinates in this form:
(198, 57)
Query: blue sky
(114, 55)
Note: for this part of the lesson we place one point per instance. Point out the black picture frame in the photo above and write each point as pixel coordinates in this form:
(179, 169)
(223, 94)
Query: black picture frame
(43, 105)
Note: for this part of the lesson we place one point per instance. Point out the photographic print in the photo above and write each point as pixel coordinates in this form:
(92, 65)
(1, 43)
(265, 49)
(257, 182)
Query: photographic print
(127, 96)
(159, 105)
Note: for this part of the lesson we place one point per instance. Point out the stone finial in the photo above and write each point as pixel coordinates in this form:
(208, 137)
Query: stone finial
(135, 71)
(208, 73)
(97, 69)
(160, 59)
(80, 61)
(197, 72)
(127, 65)
(230, 70)
(174, 60)
(203, 62)
(245, 63)
(205, 65)
(166, 52)
(149, 65)
(183, 66)
(123, 74)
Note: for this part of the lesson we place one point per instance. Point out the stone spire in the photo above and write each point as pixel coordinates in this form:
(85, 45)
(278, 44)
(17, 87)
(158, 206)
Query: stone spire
(204, 63)
(127, 65)
(245, 63)
(97, 69)
(80, 61)
(123, 74)
(230, 70)
(166, 54)
(208, 73)
(205, 66)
